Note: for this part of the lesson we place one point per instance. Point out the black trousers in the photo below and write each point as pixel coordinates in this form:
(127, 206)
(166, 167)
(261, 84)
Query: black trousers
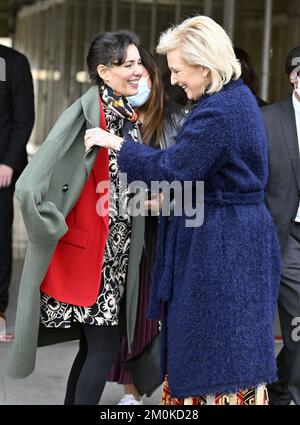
(6, 220)
(288, 360)
(98, 350)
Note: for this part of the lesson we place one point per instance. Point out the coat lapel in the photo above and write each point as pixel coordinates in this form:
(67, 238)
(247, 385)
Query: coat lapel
(91, 111)
(96, 160)
(288, 122)
(90, 107)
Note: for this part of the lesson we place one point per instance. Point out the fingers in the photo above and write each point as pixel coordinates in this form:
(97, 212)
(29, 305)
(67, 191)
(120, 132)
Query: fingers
(92, 137)
(98, 136)
(89, 139)
(147, 205)
(6, 174)
(87, 143)
(5, 182)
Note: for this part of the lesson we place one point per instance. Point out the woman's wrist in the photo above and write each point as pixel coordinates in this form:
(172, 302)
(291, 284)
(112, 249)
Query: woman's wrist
(118, 144)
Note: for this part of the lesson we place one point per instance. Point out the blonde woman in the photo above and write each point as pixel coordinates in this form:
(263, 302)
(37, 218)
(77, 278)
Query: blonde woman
(218, 282)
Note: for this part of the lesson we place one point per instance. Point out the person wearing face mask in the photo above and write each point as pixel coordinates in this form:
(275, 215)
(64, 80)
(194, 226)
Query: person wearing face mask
(144, 92)
(160, 121)
(282, 121)
(83, 249)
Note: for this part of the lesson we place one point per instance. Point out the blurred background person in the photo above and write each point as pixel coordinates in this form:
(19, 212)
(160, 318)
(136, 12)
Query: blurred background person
(16, 123)
(282, 120)
(249, 75)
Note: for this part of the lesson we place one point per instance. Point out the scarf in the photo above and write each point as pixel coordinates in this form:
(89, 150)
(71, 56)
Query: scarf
(121, 108)
(118, 103)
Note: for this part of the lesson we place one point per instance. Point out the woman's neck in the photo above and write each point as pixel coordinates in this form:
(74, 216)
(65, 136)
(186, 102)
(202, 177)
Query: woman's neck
(141, 116)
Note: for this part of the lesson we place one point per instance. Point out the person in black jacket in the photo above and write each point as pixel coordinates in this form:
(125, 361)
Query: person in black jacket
(16, 122)
(282, 120)
(249, 75)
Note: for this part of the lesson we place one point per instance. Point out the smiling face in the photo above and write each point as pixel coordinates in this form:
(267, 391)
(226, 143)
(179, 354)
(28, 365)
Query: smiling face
(124, 78)
(193, 79)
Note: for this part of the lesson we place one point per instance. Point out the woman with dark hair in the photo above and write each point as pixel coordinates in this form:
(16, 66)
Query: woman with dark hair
(81, 249)
(160, 123)
(149, 101)
(249, 75)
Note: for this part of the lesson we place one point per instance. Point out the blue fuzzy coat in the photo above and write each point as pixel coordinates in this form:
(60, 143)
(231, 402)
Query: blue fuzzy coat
(218, 282)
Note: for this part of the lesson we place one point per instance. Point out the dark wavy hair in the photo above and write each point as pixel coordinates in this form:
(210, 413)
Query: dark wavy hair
(153, 109)
(109, 48)
(248, 72)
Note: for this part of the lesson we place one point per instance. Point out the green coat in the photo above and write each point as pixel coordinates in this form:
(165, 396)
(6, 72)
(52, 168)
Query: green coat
(44, 206)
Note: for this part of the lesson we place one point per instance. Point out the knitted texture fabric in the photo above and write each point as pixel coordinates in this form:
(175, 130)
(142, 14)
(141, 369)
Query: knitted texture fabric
(218, 283)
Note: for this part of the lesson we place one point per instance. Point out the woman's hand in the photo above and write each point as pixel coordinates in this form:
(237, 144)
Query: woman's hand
(155, 204)
(6, 174)
(99, 137)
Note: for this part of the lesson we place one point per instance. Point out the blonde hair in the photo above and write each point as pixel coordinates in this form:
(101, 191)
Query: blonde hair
(203, 42)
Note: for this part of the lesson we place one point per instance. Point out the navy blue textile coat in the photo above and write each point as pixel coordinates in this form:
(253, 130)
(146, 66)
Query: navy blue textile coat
(218, 282)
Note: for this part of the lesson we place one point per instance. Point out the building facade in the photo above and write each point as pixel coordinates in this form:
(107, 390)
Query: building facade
(55, 35)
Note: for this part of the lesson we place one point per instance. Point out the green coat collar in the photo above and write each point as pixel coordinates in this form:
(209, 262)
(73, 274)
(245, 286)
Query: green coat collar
(91, 110)
(90, 107)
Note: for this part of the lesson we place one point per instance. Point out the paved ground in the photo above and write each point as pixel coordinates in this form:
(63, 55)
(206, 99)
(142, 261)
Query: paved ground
(47, 384)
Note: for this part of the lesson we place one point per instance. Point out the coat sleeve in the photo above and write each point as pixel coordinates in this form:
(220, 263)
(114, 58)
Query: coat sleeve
(23, 115)
(201, 150)
(44, 223)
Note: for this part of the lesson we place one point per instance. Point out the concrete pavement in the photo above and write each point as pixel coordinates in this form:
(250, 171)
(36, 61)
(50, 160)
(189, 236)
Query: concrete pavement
(47, 383)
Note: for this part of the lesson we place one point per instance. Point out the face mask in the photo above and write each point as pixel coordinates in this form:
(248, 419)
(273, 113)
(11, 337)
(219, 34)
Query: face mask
(294, 79)
(297, 90)
(142, 95)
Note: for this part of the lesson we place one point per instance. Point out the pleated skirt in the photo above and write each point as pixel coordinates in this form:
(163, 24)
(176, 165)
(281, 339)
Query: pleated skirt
(145, 329)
